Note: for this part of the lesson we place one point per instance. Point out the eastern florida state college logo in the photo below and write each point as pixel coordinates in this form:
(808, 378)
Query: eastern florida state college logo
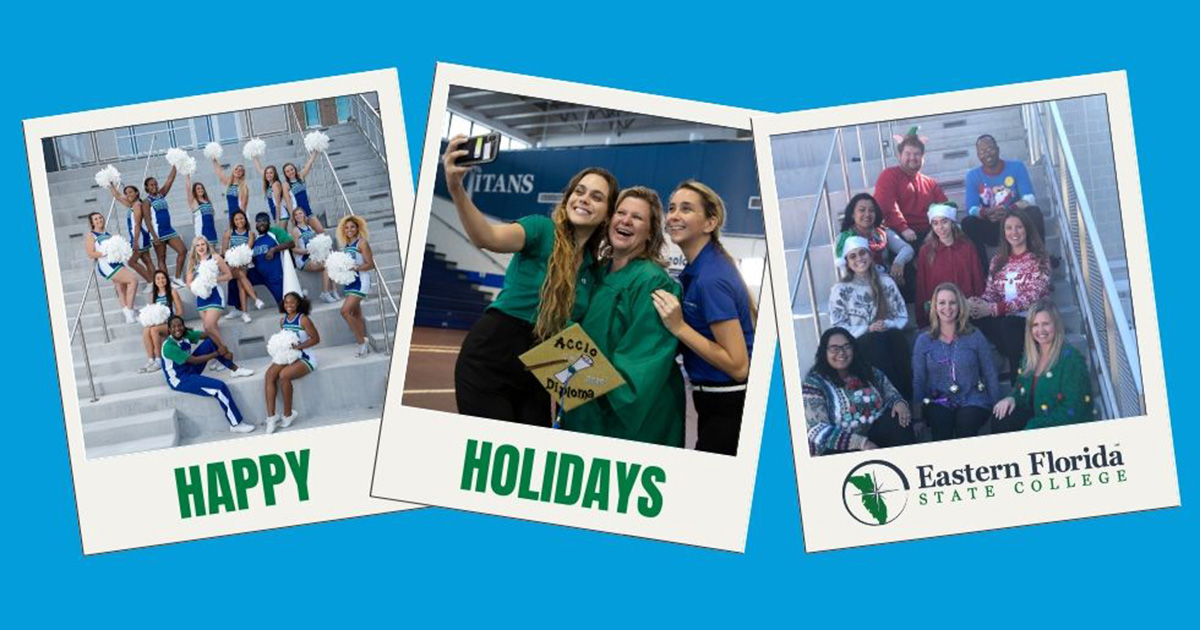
(875, 492)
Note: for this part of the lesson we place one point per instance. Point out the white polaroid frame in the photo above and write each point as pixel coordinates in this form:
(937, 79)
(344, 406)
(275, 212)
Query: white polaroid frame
(129, 501)
(706, 497)
(1149, 476)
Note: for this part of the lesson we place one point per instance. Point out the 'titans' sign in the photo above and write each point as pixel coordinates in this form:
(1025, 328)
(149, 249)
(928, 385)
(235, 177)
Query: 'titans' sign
(516, 183)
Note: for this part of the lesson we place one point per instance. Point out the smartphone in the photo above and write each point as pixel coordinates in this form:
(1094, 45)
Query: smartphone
(480, 150)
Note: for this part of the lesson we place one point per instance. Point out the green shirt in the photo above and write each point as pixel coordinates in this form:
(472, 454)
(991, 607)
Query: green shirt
(173, 352)
(526, 272)
(1063, 394)
(280, 234)
(626, 327)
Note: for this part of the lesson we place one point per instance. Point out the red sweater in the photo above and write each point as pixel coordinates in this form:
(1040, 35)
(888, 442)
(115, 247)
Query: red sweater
(905, 198)
(958, 263)
(1018, 284)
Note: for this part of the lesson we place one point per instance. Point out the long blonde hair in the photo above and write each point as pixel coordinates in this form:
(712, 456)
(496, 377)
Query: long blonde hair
(1032, 353)
(657, 239)
(192, 261)
(882, 308)
(963, 325)
(714, 208)
(350, 218)
(558, 290)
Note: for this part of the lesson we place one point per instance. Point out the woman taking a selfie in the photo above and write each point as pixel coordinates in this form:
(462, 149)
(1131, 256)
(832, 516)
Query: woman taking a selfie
(547, 285)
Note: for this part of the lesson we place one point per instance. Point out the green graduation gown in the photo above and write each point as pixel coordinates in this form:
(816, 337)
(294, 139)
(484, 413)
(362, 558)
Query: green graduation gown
(623, 322)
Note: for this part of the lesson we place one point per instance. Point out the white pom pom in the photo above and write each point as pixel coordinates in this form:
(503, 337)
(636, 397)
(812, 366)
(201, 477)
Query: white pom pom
(281, 347)
(213, 151)
(175, 156)
(108, 175)
(238, 256)
(153, 314)
(316, 141)
(340, 267)
(254, 148)
(320, 247)
(206, 279)
(186, 166)
(116, 249)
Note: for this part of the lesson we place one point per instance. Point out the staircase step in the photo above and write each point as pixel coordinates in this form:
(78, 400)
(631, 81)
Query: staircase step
(131, 434)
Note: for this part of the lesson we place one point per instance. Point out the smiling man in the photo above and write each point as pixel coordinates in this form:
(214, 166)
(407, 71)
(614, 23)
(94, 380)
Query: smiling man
(185, 353)
(992, 189)
(904, 193)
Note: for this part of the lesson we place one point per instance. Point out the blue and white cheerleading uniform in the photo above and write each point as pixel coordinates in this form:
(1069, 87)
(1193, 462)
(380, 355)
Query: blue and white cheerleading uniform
(277, 214)
(160, 215)
(306, 235)
(362, 283)
(214, 302)
(300, 194)
(204, 222)
(231, 198)
(106, 269)
(184, 377)
(142, 245)
(293, 325)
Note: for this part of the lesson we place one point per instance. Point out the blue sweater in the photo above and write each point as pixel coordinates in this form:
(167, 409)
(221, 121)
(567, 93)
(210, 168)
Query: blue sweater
(1003, 189)
(968, 359)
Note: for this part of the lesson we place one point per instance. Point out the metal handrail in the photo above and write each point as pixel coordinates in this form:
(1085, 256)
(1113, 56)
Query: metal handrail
(92, 280)
(812, 220)
(391, 300)
(1113, 342)
(375, 135)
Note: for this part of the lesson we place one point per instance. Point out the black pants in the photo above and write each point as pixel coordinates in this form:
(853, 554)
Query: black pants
(1007, 334)
(889, 351)
(987, 233)
(948, 424)
(909, 290)
(718, 420)
(490, 381)
(1014, 421)
(886, 432)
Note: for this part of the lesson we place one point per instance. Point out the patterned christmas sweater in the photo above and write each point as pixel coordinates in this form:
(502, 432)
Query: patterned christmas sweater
(840, 416)
(852, 305)
(1061, 395)
(1013, 288)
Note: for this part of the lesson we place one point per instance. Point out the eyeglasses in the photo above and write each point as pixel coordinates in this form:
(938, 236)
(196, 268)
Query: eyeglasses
(839, 348)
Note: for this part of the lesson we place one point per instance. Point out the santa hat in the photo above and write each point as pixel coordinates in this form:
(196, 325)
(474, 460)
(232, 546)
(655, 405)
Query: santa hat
(850, 244)
(943, 210)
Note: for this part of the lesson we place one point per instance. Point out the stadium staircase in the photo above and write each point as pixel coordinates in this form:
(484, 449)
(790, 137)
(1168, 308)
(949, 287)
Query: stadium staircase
(131, 411)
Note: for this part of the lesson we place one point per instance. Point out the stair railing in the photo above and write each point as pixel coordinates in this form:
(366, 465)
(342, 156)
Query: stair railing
(368, 122)
(1108, 327)
(93, 279)
(821, 200)
(327, 175)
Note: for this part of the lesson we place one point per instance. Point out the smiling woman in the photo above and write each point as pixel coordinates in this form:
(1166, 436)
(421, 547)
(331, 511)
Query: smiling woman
(548, 283)
(623, 322)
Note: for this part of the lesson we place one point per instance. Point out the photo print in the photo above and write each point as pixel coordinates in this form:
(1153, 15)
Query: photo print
(969, 337)
(222, 274)
(590, 340)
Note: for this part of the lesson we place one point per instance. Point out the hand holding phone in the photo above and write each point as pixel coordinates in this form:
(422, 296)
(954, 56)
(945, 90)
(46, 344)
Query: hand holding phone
(480, 150)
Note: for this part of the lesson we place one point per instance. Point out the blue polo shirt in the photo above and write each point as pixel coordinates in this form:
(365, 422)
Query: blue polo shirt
(713, 291)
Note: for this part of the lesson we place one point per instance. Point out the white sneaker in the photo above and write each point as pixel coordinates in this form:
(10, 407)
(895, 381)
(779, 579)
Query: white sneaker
(233, 313)
(246, 318)
(215, 367)
(130, 315)
(271, 421)
(179, 284)
(329, 298)
(258, 304)
(364, 349)
(242, 371)
(244, 427)
(150, 366)
(289, 419)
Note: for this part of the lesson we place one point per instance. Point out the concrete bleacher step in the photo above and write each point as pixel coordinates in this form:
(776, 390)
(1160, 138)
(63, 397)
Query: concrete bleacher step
(131, 434)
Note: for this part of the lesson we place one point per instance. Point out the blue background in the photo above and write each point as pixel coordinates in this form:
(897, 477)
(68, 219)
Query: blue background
(438, 566)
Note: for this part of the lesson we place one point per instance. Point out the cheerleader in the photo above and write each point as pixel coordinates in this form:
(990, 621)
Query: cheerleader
(293, 183)
(714, 320)
(202, 211)
(123, 279)
(161, 228)
(237, 193)
(303, 228)
(352, 236)
(136, 215)
(152, 336)
(295, 309)
(210, 306)
(278, 204)
(185, 353)
(239, 233)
